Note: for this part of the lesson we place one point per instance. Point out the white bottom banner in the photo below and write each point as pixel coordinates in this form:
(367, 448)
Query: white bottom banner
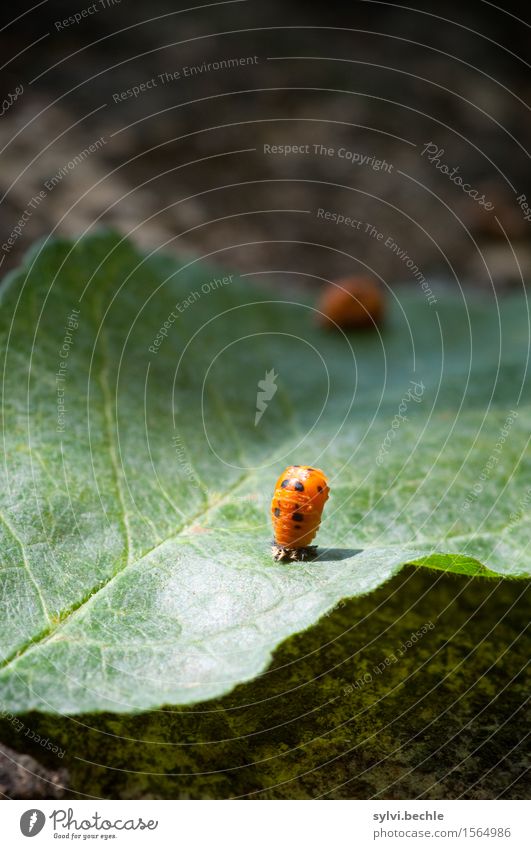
(266, 824)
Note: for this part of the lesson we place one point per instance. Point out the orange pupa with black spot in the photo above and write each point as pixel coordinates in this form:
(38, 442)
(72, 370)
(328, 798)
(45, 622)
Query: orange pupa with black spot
(296, 509)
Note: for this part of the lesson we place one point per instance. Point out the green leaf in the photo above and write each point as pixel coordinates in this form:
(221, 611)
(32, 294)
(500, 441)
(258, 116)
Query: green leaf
(134, 524)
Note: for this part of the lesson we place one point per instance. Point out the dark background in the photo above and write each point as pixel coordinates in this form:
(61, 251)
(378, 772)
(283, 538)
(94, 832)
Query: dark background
(455, 74)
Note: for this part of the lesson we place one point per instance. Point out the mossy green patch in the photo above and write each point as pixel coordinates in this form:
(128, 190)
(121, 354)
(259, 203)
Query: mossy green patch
(347, 709)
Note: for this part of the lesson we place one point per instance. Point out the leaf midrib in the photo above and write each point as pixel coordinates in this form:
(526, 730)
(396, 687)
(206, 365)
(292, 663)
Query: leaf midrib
(124, 562)
(47, 635)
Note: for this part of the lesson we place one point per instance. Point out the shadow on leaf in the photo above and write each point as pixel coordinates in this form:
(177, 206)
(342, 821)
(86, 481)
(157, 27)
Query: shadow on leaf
(333, 554)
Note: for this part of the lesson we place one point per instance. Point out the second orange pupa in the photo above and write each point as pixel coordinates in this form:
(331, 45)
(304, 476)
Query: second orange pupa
(352, 303)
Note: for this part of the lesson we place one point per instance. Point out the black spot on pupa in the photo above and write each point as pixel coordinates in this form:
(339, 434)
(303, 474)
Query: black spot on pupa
(310, 469)
(277, 512)
(319, 488)
(299, 486)
(284, 483)
(298, 527)
(298, 517)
